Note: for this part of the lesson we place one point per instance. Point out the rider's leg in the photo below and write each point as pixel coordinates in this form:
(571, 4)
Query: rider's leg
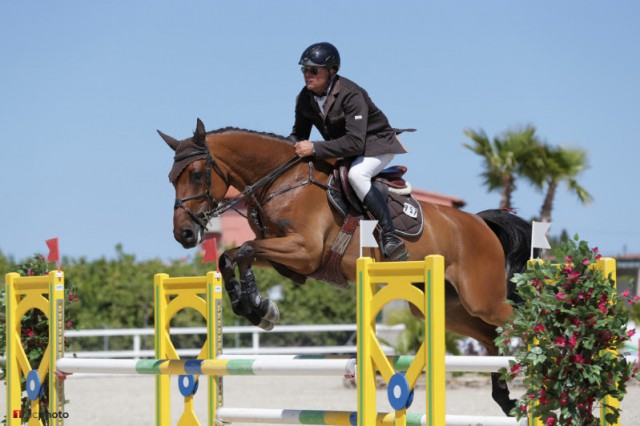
(363, 169)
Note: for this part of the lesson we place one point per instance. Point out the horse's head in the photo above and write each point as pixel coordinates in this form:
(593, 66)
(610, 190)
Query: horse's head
(199, 182)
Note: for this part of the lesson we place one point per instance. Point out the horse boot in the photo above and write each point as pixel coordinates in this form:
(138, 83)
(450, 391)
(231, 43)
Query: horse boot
(393, 247)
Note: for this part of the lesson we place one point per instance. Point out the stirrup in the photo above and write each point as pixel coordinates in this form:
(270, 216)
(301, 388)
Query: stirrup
(395, 251)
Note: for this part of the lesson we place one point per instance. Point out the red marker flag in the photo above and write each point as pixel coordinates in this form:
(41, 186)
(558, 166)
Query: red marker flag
(210, 247)
(54, 252)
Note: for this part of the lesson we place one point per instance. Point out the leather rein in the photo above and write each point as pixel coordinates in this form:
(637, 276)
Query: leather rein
(218, 208)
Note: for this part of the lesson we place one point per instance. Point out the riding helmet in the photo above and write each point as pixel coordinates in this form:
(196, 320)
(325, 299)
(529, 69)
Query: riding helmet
(321, 55)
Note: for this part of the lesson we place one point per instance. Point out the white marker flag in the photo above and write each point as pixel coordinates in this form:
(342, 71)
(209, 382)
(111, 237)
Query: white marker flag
(538, 236)
(366, 234)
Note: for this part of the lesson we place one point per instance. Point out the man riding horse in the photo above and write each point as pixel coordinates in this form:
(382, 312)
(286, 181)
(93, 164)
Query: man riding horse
(352, 126)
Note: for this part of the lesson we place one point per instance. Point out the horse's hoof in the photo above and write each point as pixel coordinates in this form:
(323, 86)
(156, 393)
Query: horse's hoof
(266, 325)
(273, 313)
(269, 311)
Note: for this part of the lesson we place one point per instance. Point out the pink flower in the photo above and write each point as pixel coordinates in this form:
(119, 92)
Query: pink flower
(515, 368)
(550, 421)
(598, 257)
(561, 295)
(577, 358)
(573, 341)
(29, 333)
(560, 341)
(539, 328)
(71, 296)
(625, 293)
(603, 307)
(585, 261)
(595, 249)
(568, 259)
(631, 332)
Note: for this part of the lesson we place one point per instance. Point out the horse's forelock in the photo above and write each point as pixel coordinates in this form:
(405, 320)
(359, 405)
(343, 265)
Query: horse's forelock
(187, 151)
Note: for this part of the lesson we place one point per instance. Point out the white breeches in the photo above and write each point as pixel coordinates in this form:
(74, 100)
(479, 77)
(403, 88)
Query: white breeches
(363, 169)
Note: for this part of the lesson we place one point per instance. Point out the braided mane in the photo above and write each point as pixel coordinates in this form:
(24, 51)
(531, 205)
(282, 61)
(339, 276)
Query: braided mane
(236, 129)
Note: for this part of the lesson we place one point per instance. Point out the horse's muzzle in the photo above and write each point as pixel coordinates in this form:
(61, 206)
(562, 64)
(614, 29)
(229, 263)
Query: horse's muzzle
(188, 236)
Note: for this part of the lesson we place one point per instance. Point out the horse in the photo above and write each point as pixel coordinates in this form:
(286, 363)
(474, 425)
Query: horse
(295, 227)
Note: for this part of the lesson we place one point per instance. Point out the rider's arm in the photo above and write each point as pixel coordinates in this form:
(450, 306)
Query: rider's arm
(302, 125)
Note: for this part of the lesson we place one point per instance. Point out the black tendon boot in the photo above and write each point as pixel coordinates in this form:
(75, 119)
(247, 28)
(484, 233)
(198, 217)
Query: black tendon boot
(392, 247)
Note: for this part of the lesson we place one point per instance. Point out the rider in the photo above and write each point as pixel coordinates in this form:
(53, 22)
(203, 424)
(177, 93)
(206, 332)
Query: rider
(352, 126)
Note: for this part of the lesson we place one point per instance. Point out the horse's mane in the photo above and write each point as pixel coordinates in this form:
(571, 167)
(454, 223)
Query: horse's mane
(255, 132)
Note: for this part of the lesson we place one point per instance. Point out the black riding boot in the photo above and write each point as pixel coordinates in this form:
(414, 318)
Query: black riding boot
(392, 247)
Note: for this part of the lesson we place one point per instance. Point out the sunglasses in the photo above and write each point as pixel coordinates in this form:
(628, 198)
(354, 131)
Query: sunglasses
(312, 71)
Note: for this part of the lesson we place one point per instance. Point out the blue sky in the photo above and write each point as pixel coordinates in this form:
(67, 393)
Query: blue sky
(85, 85)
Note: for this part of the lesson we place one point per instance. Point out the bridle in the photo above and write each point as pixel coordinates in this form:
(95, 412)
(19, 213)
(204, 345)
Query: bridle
(204, 217)
(218, 208)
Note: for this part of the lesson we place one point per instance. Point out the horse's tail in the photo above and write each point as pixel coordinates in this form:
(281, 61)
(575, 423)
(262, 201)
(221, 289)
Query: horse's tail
(514, 234)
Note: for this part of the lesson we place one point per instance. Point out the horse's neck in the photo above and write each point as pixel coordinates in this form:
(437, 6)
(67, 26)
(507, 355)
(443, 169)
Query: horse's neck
(248, 156)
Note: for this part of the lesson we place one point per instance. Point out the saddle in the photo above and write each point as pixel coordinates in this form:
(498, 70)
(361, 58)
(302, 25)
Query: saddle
(406, 211)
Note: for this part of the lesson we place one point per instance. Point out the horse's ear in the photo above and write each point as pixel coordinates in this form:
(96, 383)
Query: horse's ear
(200, 134)
(172, 142)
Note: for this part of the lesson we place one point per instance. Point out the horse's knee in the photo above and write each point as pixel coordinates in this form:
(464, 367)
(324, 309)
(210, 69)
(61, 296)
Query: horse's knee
(245, 254)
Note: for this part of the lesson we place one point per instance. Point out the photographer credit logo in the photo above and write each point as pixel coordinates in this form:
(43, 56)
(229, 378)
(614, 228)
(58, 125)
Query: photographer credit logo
(45, 414)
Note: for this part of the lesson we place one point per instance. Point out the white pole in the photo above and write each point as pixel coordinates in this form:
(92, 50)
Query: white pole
(97, 365)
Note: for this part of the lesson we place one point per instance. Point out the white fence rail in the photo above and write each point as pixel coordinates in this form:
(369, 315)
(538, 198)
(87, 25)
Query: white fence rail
(387, 333)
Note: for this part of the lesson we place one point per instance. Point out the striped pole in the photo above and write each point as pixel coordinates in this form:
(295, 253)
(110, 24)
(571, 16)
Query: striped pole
(209, 367)
(339, 418)
(269, 365)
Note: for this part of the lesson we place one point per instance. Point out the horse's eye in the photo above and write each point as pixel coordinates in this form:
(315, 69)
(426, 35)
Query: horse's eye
(197, 176)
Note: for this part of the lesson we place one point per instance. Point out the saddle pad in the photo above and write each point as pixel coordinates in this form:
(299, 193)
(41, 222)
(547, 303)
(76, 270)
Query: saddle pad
(407, 214)
(406, 211)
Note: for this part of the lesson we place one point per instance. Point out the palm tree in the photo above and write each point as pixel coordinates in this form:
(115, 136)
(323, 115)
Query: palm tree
(562, 165)
(516, 152)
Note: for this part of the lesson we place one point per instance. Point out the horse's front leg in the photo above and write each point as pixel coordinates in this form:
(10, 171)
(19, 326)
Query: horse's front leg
(263, 310)
(227, 264)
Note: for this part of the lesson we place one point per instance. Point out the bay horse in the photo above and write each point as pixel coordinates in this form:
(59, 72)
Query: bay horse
(295, 227)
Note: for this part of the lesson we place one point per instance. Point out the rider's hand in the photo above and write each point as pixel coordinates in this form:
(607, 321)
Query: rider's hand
(304, 149)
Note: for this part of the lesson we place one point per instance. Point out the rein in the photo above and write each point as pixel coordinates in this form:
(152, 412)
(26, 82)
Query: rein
(218, 209)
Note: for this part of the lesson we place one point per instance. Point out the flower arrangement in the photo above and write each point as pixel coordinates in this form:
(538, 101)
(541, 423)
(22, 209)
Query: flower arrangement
(35, 328)
(572, 322)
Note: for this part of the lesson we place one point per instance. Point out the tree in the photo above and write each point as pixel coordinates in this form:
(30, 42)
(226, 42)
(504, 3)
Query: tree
(515, 153)
(562, 165)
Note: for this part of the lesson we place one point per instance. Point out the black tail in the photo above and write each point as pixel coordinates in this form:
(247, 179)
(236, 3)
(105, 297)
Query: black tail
(514, 234)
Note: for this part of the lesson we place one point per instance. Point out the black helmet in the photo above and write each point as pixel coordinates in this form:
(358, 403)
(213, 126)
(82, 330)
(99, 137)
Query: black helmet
(321, 55)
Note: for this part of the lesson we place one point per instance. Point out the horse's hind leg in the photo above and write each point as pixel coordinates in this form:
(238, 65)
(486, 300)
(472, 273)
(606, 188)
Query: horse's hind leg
(251, 299)
(459, 321)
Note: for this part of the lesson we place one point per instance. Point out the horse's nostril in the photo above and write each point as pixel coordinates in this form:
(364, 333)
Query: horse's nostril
(187, 234)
